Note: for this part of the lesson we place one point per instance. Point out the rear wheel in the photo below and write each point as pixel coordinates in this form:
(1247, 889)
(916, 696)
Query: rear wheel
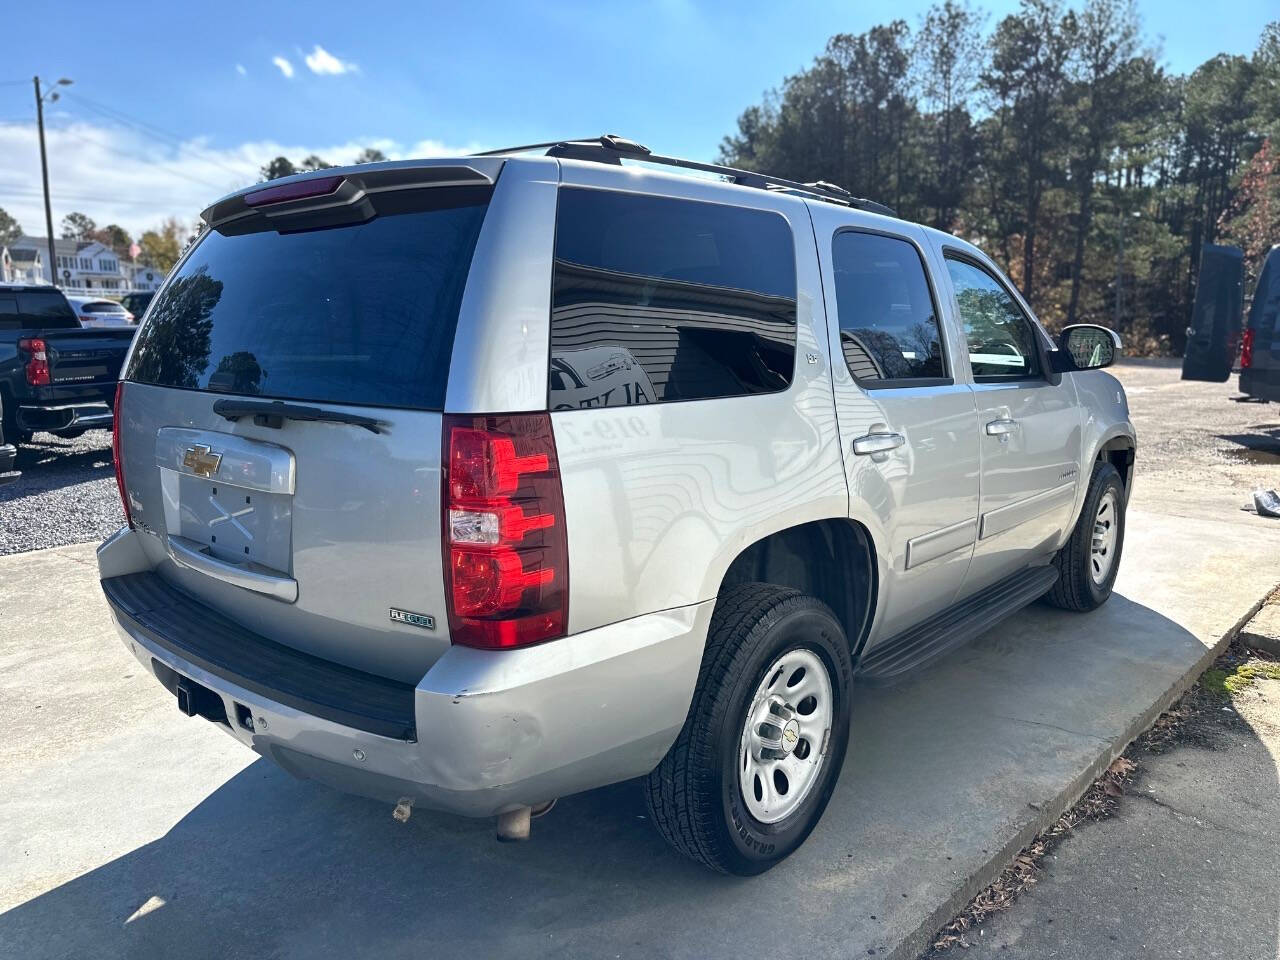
(1088, 563)
(764, 741)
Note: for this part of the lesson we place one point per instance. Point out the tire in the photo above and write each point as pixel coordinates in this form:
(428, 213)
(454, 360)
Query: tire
(696, 795)
(9, 425)
(1085, 579)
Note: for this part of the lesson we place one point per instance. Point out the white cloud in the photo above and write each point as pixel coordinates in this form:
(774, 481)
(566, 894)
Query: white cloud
(285, 66)
(240, 69)
(115, 175)
(322, 61)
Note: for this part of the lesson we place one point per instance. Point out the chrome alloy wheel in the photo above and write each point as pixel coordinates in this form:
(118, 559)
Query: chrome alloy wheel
(1102, 553)
(784, 741)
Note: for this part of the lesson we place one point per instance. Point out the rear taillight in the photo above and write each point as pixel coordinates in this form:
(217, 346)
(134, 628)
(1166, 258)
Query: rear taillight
(37, 367)
(115, 451)
(506, 558)
(1246, 349)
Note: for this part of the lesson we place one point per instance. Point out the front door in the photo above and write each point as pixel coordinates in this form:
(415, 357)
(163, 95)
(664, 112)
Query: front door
(1028, 426)
(908, 429)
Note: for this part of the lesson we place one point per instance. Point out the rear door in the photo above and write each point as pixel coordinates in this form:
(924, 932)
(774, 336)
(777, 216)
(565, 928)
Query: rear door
(1214, 331)
(908, 428)
(321, 535)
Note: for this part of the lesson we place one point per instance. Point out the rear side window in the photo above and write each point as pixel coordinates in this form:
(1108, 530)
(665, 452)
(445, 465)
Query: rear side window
(36, 310)
(888, 322)
(657, 299)
(358, 314)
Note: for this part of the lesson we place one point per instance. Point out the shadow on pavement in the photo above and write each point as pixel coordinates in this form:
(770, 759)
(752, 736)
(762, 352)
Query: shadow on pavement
(943, 771)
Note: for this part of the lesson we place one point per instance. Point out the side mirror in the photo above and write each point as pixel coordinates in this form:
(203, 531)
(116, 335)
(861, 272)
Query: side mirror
(1086, 346)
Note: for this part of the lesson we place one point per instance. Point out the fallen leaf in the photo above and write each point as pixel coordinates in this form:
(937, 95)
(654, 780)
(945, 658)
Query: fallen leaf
(1122, 766)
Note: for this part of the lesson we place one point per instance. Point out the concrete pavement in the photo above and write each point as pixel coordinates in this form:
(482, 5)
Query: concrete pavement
(130, 830)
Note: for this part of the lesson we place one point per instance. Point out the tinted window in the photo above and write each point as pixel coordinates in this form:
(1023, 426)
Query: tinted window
(102, 306)
(36, 310)
(1001, 340)
(888, 325)
(657, 299)
(361, 314)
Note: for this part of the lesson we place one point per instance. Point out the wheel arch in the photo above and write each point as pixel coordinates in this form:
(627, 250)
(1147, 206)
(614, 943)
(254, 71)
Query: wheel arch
(834, 560)
(1120, 450)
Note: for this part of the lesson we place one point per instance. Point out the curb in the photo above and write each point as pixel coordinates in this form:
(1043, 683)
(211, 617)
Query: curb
(918, 941)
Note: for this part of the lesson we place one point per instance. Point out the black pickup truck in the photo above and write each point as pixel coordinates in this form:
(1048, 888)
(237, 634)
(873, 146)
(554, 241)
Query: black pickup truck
(54, 376)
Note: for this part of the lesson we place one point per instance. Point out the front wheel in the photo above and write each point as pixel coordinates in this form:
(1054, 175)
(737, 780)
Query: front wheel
(1089, 561)
(761, 749)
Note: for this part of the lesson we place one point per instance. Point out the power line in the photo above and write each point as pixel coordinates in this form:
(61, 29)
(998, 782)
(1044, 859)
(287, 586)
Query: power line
(149, 129)
(129, 156)
(80, 197)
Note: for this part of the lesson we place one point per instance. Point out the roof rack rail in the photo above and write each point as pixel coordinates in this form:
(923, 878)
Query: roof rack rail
(611, 148)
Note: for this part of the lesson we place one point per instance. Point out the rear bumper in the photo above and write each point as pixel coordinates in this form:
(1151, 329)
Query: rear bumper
(492, 730)
(66, 417)
(8, 454)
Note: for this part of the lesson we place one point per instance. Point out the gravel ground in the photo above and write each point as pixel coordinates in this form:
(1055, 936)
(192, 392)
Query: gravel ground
(1191, 432)
(1189, 435)
(66, 494)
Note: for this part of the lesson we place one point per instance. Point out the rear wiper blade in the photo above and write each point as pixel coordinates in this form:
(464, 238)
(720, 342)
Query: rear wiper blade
(273, 413)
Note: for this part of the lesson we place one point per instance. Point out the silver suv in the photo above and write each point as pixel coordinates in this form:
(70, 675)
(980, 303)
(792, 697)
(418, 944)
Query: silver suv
(471, 483)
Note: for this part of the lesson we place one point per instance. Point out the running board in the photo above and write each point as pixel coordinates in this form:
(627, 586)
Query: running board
(897, 657)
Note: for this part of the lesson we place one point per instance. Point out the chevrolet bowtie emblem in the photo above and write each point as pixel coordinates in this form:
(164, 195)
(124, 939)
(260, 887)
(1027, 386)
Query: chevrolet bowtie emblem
(200, 461)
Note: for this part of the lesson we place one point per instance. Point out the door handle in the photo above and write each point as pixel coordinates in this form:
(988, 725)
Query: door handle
(1002, 427)
(877, 443)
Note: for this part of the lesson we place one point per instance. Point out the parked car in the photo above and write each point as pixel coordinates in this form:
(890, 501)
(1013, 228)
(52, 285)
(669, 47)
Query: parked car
(1260, 345)
(54, 376)
(137, 303)
(537, 473)
(96, 312)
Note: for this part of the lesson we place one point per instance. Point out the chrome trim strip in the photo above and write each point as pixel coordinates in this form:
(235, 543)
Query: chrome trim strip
(937, 543)
(68, 406)
(251, 464)
(1020, 511)
(189, 554)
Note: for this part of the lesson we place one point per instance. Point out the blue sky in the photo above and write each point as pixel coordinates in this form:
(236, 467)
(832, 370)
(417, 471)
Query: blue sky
(174, 104)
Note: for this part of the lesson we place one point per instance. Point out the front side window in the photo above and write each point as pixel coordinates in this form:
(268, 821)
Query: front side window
(656, 299)
(1001, 339)
(888, 324)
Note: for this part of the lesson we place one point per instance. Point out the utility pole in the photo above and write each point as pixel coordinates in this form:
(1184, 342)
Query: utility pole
(44, 171)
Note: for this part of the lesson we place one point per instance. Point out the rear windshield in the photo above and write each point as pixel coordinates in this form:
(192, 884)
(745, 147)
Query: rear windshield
(102, 306)
(359, 314)
(36, 310)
